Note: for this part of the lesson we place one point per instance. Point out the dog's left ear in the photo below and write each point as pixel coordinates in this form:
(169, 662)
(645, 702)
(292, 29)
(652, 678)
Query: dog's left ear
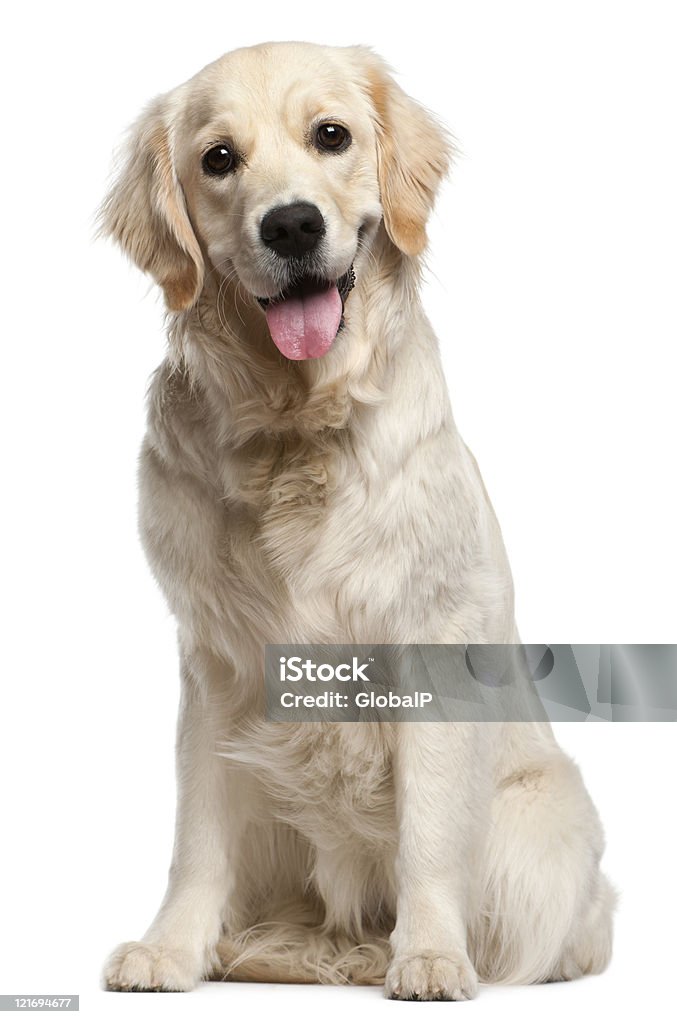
(145, 211)
(414, 153)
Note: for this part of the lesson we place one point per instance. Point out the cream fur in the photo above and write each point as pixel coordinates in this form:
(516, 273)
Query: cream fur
(329, 500)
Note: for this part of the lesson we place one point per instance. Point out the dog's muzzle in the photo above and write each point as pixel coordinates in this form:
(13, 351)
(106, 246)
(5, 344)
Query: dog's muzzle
(305, 318)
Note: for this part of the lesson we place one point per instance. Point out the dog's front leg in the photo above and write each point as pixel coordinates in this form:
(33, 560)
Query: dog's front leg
(441, 806)
(178, 948)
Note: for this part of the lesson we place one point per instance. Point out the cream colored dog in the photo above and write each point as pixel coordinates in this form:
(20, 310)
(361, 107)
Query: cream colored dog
(302, 480)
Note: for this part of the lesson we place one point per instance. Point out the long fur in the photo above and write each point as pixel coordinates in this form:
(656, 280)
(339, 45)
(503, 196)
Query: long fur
(330, 500)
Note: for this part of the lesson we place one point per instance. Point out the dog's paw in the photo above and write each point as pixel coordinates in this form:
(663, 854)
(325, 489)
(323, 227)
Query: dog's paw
(142, 967)
(429, 975)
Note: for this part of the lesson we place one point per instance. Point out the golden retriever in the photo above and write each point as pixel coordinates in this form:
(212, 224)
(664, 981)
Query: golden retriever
(302, 480)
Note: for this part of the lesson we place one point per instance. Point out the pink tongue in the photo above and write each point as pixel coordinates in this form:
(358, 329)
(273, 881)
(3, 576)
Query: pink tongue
(304, 327)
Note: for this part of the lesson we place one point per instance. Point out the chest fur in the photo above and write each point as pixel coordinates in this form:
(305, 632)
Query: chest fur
(328, 781)
(285, 485)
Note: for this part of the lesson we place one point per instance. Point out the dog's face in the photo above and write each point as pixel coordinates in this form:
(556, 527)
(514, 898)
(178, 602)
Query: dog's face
(273, 168)
(277, 153)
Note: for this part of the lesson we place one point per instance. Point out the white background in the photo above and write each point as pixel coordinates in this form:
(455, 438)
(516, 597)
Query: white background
(552, 287)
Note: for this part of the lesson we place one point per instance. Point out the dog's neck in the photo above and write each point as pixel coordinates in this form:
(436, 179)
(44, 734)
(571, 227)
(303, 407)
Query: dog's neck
(224, 347)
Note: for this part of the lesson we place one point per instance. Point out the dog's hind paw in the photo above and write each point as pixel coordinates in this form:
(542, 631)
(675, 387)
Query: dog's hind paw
(431, 976)
(142, 967)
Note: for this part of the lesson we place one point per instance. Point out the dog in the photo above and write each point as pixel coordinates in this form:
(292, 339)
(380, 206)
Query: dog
(302, 480)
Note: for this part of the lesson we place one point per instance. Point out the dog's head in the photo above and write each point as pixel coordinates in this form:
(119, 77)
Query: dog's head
(274, 167)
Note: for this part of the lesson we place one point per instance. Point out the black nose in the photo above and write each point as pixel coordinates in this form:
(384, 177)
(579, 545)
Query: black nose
(292, 230)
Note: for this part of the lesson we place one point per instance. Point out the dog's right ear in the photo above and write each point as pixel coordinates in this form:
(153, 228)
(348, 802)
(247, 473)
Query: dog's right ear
(145, 211)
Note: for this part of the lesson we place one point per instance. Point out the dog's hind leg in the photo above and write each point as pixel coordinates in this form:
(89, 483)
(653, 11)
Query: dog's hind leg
(546, 910)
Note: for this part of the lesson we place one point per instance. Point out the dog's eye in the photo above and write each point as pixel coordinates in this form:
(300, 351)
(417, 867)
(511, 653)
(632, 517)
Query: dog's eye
(219, 160)
(333, 138)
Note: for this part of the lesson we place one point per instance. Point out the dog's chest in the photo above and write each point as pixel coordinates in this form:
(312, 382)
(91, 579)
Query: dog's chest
(357, 559)
(290, 490)
(331, 782)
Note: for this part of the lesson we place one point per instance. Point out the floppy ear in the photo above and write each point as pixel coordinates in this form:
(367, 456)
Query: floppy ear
(145, 211)
(414, 153)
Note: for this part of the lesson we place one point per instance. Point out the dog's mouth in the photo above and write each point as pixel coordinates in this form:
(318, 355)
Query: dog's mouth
(304, 319)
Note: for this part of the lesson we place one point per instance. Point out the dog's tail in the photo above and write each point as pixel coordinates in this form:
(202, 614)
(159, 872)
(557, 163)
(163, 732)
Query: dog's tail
(289, 953)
